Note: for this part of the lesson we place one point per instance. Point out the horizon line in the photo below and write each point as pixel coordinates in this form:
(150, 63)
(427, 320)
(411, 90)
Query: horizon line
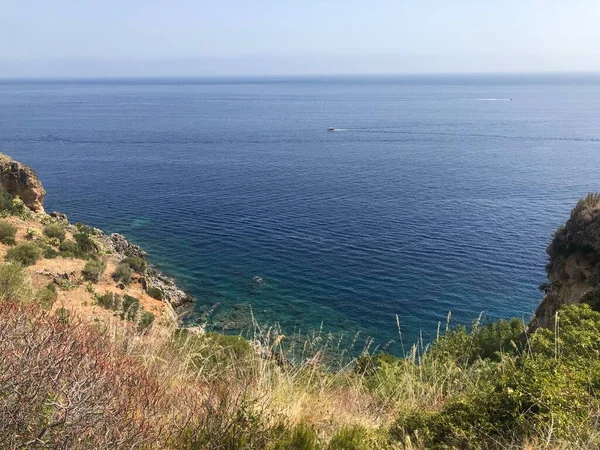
(292, 76)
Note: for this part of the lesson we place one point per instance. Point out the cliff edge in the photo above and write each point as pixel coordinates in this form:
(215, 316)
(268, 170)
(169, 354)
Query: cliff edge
(19, 179)
(574, 262)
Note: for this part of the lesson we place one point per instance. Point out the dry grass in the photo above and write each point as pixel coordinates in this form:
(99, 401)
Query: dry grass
(96, 381)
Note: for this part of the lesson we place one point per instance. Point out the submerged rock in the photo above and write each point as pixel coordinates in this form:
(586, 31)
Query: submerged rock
(18, 179)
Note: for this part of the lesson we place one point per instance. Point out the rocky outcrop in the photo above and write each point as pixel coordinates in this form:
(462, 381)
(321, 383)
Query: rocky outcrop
(574, 262)
(19, 179)
(121, 248)
(175, 296)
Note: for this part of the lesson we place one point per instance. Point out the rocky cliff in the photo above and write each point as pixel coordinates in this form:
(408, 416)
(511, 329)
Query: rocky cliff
(574, 262)
(19, 179)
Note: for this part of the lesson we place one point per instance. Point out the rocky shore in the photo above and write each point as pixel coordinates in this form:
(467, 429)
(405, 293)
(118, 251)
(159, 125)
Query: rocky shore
(20, 181)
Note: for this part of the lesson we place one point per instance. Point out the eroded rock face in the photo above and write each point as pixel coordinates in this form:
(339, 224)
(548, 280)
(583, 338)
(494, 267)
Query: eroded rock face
(19, 179)
(574, 262)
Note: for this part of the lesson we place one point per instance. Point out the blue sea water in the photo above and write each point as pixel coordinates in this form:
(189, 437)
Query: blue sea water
(434, 194)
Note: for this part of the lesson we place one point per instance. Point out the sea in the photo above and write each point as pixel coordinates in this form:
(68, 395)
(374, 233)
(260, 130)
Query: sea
(432, 194)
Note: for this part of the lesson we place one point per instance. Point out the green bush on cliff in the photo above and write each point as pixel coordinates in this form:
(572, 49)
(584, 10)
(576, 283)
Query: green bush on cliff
(136, 263)
(55, 231)
(25, 254)
(5, 202)
(146, 319)
(549, 388)
(85, 242)
(122, 273)
(93, 270)
(7, 233)
(71, 249)
(156, 293)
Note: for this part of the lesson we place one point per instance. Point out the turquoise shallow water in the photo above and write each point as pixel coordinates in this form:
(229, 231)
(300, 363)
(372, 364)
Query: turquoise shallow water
(434, 193)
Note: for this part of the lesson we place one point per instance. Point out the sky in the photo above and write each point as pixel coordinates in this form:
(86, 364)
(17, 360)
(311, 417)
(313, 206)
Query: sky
(109, 38)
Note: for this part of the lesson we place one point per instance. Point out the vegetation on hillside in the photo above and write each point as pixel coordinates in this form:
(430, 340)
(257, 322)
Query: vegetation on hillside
(136, 382)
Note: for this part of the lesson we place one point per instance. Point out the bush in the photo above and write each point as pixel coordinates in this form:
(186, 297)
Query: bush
(14, 284)
(31, 233)
(146, 320)
(487, 341)
(219, 350)
(7, 233)
(85, 242)
(357, 438)
(49, 252)
(71, 371)
(552, 389)
(298, 437)
(109, 300)
(136, 263)
(93, 270)
(26, 254)
(5, 202)
(122, 273)
(156, 293)
(47, 296)
(71, 249)
(82, 228)
(131, 307)
(55, 231)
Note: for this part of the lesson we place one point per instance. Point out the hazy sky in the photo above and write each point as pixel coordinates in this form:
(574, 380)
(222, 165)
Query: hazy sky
(259, 37)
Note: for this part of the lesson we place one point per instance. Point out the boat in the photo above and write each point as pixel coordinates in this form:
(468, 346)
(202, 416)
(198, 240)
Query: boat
(331, 129)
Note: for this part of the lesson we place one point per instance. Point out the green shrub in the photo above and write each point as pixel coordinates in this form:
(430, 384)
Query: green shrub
(31, 233)
(93, 270)
(368, 364)
(131, 307)
(298, 437)
(55, 231)
(487, 341)
(146, 320)
(7, 233)
(109, 300)
(553, 386)
(5, 202)
(69, 247)
(85, 242)
(122, 273)
(14, 284)
(47, 296)
(26, 254)
(82, 228)
(156, 293)
(219, 349)
(136, 263)
(18, 207)
(356, 438)
(49, 252)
